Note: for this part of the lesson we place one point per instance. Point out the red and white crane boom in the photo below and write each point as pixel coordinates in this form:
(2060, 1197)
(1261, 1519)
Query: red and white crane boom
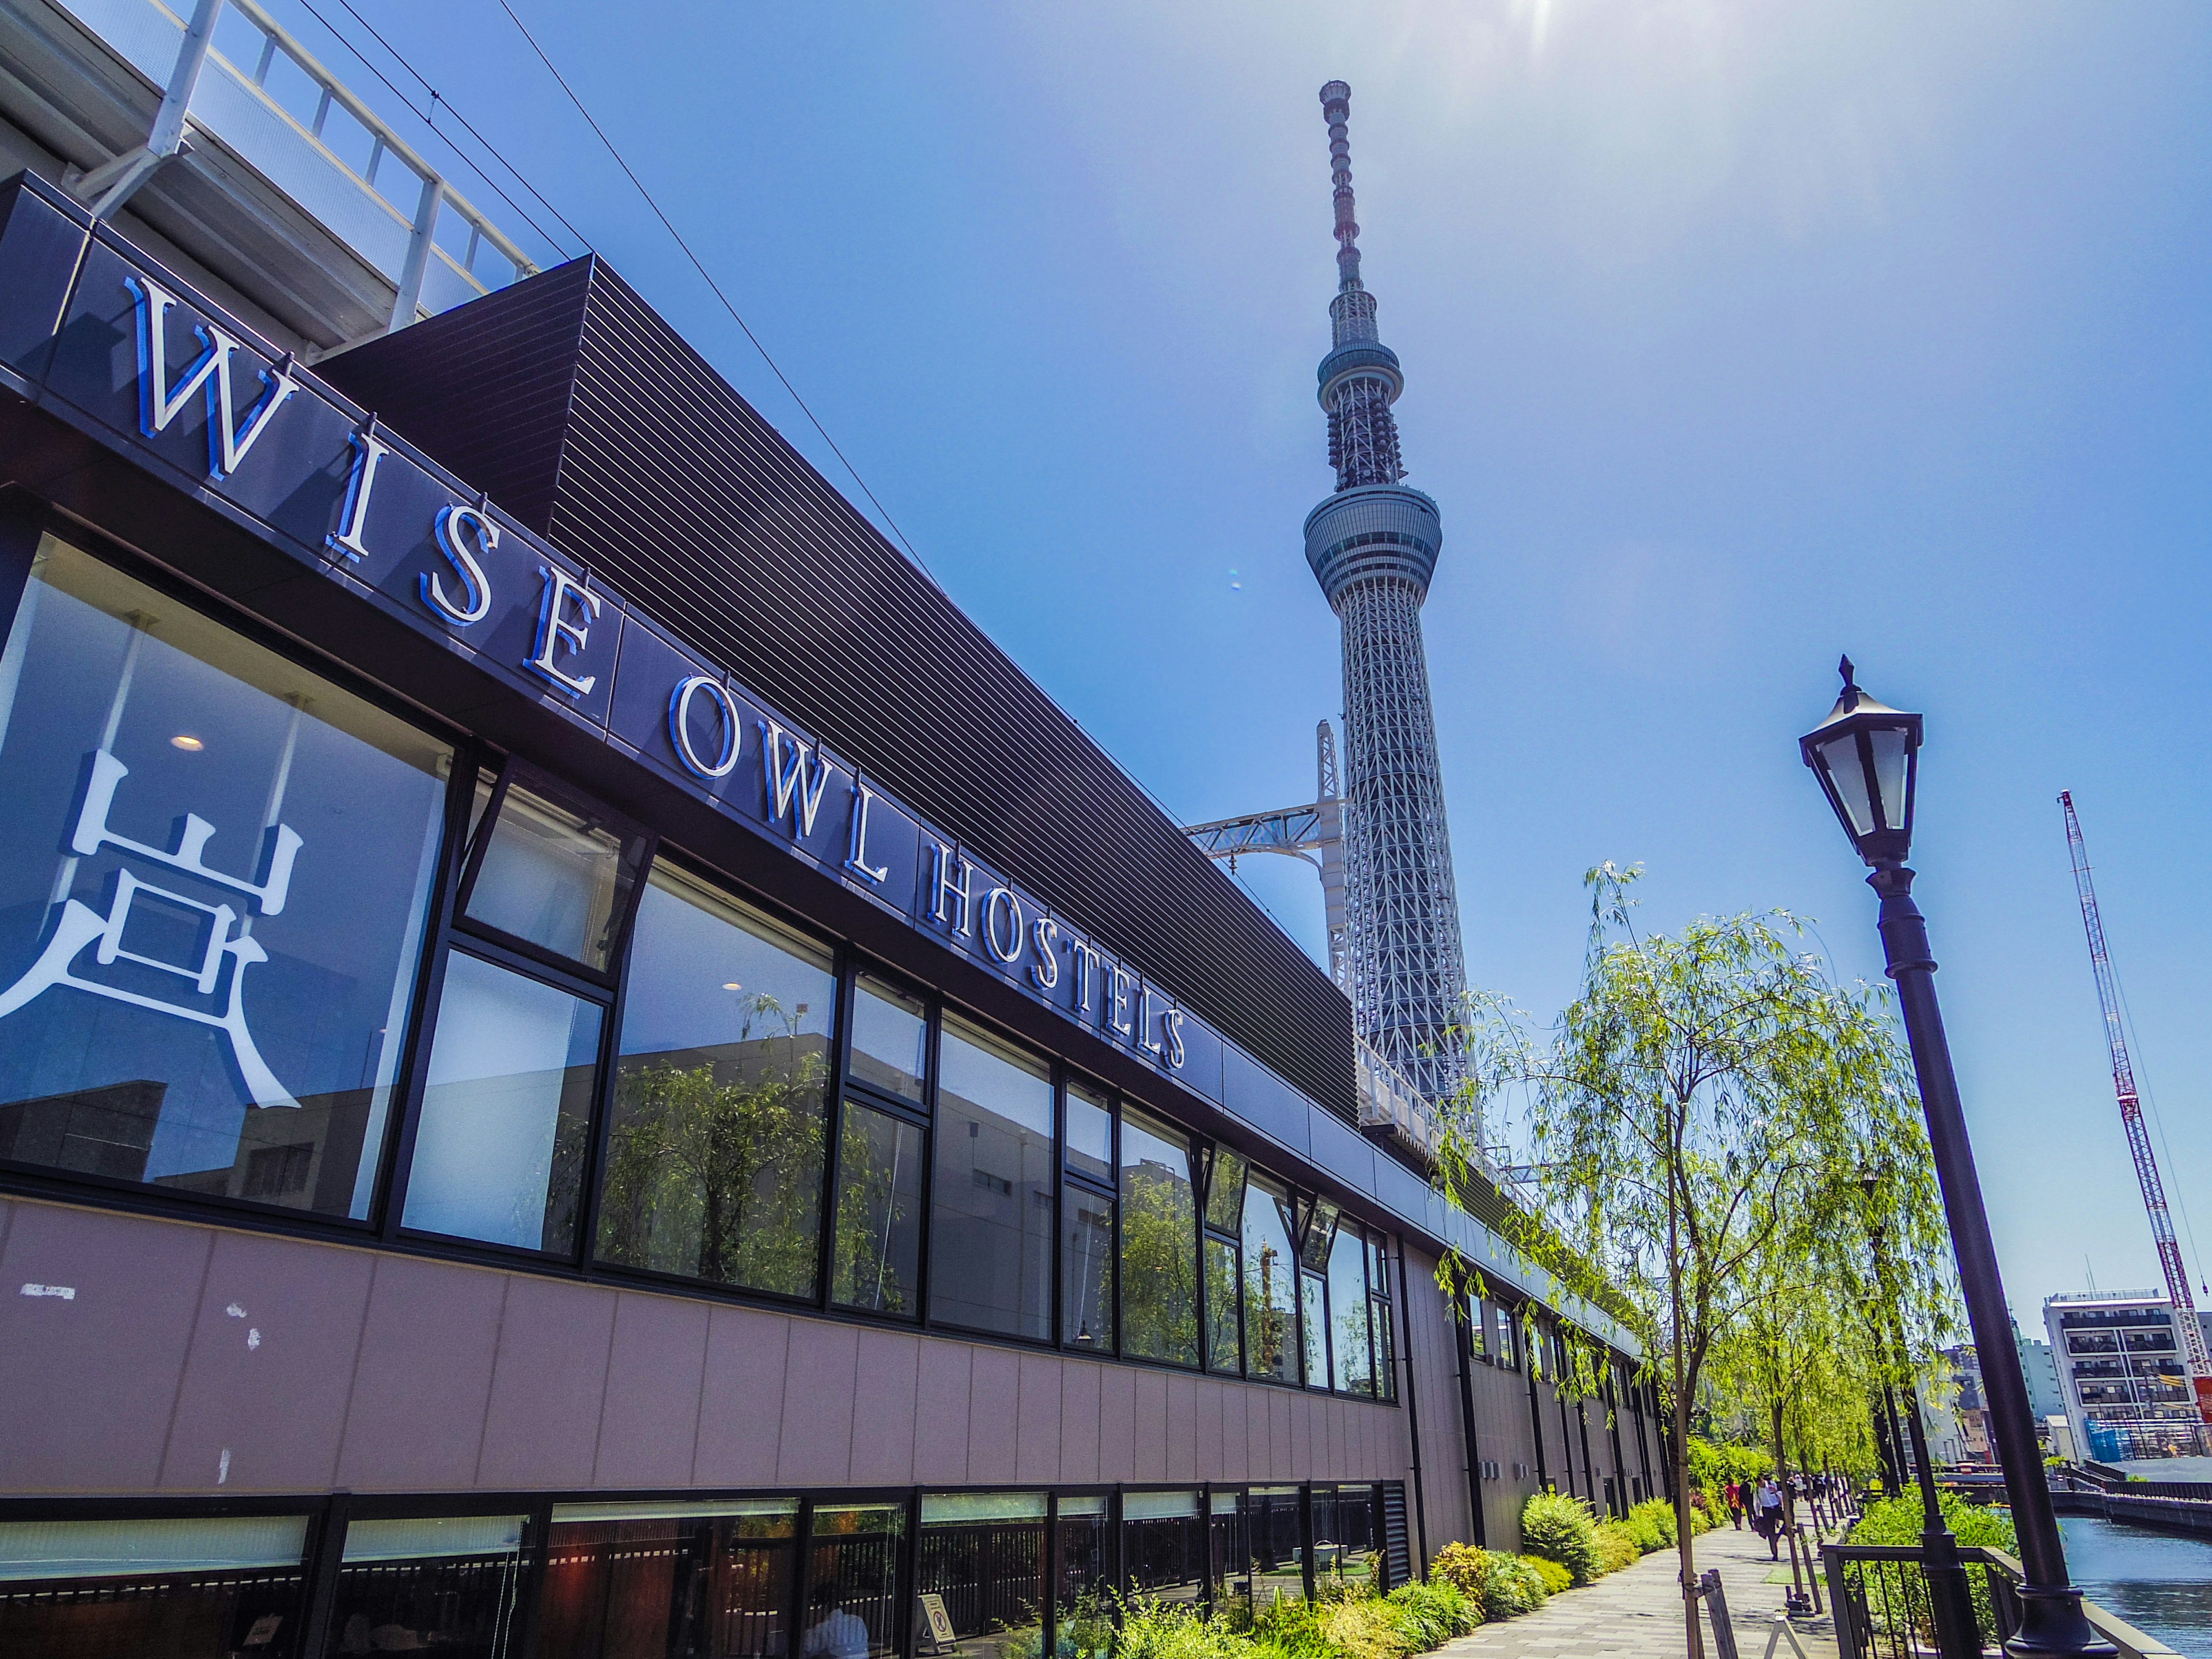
(2131, 1117)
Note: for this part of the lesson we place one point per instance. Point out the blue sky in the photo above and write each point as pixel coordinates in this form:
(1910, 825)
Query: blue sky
(1736, 335)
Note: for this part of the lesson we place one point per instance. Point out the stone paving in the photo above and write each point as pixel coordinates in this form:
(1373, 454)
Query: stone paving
(1637, 1613)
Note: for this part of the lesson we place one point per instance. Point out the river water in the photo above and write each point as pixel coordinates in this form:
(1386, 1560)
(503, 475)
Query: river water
(2158, 1583)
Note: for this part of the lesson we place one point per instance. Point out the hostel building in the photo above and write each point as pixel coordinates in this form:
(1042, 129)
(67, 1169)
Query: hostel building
(586, 1066)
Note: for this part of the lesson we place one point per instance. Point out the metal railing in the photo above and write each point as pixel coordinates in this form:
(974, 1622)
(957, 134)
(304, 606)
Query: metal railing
(1878, 1594)
(264, 97)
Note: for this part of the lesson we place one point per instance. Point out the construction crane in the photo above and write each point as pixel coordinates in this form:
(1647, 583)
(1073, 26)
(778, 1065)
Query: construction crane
(2123, 1082)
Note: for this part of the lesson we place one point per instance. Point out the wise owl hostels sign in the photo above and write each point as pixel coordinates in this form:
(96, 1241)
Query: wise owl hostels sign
(132, 354)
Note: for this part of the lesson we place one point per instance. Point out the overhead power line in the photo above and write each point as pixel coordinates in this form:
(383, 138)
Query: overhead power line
(708, 277)
(430, 118)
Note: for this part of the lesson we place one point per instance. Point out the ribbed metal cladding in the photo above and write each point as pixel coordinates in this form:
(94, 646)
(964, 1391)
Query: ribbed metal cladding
(585, 415)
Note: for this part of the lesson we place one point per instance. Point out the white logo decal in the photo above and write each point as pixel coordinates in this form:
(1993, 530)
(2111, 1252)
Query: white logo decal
(81, 926)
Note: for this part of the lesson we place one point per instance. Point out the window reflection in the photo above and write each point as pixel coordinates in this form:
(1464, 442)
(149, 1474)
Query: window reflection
(1164, 1545)
(877, 1264)
(1352, 1359)
(890, 1040)
(124, 717)
(152, 1589)
(990, 1254)
(669, 1580)
(714, 1158)
(557, 872)
(1271, 1322)
(1081, 1580)
(447, 1583)
(1090, 1133)
(1086, 1269)
(984, 1555)
(852, 1582)
(1278, 1542)
(500, 1146)
(1159, 1243)
(1225, 1348)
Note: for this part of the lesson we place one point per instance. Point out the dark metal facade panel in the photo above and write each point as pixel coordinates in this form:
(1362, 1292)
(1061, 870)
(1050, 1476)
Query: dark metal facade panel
(567, 396)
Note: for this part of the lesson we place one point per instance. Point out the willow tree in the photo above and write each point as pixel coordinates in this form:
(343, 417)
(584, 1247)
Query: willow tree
(1702, 1108)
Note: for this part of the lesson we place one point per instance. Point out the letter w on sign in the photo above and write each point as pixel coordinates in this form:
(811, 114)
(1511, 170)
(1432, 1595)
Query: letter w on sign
(793, 796)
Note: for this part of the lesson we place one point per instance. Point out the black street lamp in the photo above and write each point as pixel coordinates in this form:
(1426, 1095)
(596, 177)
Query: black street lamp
(1866, 757)
(1950, 1599)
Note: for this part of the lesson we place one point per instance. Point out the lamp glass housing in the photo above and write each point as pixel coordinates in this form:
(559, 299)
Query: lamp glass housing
(1867, 756)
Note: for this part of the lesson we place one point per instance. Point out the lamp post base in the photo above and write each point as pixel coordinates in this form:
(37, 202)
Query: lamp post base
(1950, 1598)
(2051, 1621)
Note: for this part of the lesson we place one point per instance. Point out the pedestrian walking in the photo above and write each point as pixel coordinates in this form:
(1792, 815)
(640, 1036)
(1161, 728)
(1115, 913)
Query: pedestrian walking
(1732, 1495)
(1767, 1519)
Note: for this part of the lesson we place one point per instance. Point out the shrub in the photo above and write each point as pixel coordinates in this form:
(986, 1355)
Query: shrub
(1561, 1529)
(1169, 1630)
(1898, 1521)
(1431, 1614)
(1555, 1577)
(1501, 1586)
(1653, 1522)
(1617, 1547)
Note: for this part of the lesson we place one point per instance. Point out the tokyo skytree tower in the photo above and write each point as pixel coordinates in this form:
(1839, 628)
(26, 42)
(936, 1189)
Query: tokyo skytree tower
(1373, 546)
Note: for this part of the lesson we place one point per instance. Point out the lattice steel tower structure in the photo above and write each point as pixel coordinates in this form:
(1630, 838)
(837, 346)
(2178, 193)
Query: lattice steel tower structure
(1373, 546)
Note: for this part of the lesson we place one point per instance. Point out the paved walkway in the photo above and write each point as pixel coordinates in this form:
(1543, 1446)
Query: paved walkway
(1637, 1613)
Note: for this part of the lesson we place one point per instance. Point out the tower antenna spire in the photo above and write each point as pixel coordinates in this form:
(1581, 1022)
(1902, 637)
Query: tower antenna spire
(1336, 110)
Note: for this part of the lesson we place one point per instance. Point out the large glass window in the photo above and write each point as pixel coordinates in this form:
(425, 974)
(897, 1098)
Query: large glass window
(990, 1246)
(1090, 1133)
(1277, 1539)
(1159, 1243)
(559, 871)
(152, 1589)
(1082, 1578)
(890, 1040)
(1231, 1561)
(1086, 1268)
(1314, 1321)
(1350, 1352)
(214, 872)
(670, 1581)
(1224, 1214)
(506, 1114)
(1344, 1534)
(1164, 1544)
(715, 1159)
(1313, 1286)
(1502, 1327)
(877, 1262)
(1271, 1317)
(852, 1582)
(448, 1582)
(983, 1554)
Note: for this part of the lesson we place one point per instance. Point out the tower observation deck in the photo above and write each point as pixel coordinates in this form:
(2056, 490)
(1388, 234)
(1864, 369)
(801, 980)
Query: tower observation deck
(1373, 546)
(1379, 838)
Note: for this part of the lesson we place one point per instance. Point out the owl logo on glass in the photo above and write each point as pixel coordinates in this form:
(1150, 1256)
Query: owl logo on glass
(226, 931)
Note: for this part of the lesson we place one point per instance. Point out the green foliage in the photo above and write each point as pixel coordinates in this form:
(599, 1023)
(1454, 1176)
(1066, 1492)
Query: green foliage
(1699, 1116)
(1431, 1614)
(1176, 1630)
(1504, 1586)
(1617, 1547)
(715, 1171)
(1555, 1577)
(1900, 1520)
(1652, 1524)
(1897, 1520)
(1159, 1265)
(1561, 1529)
